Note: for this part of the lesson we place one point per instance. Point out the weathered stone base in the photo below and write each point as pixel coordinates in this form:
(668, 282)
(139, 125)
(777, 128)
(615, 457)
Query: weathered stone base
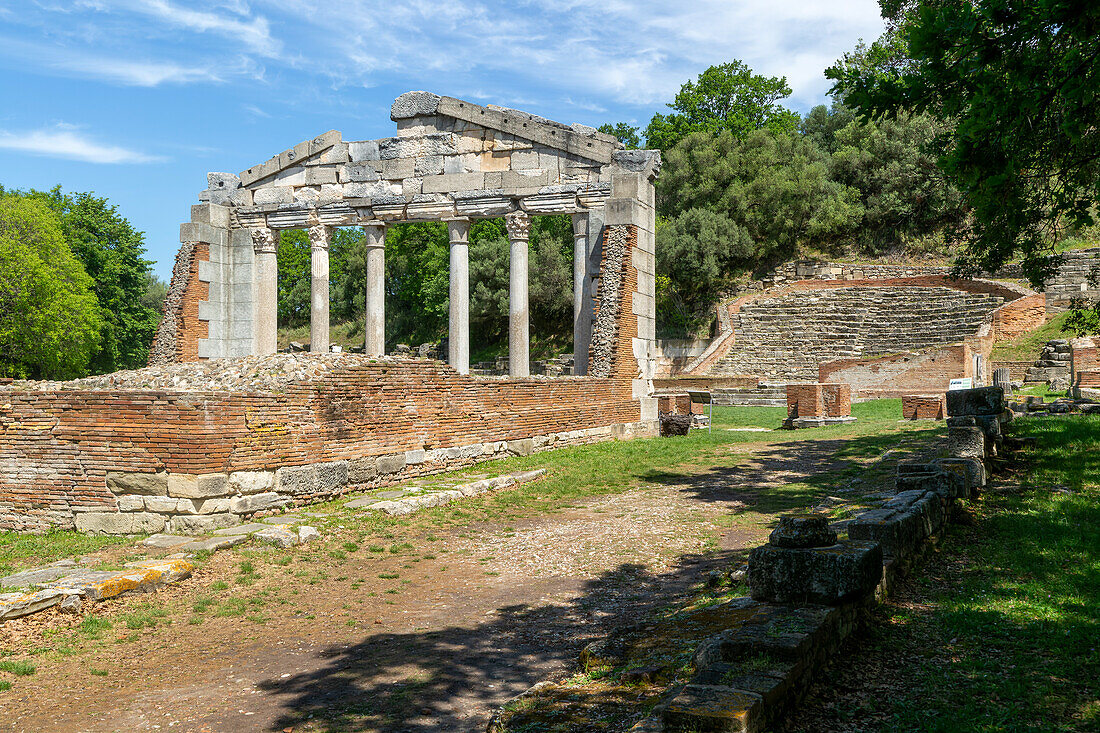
(184, 504)
(798, 423)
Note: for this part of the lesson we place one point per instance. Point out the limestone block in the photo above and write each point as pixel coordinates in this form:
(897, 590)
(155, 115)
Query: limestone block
(15, 605)
(832, 575)
(948, 484)
(119, 523)
(524, 160)
(371, 190)
(145, 484)
(251, 482)
(414, 104)
(391, 463)
(978, 401)
(359, 173)
(223, 181)
(363, 150)
(712, 708)
(362, 470)
(296, 480)
(308, 534)
(256, 502)
(228, 198)
(215, 216)
(273, 195)
(203, 524)
(412, 186)
(803, 530)
(277, 536)
(965, 442)
(131, 503)
(307, 195)
(206, 506)
(168, 505)
(332, 477)
(974, 468)
(398, 169)
(902, 525)
(521, 447)
(191, 486)
(454, 182)
(412, 457)
(428, 165)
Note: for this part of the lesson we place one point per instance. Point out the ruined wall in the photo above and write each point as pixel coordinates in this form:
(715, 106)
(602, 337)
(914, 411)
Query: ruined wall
(1078, 277)
(367, 421)
(180, 329)
(899, 374)
(924, 407)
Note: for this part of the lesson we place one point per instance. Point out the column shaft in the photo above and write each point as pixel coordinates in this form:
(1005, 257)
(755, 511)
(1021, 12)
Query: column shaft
(580, 276)
(458, 333)
(519, 334)
(376, 289)
(318, 311)
(265, 328)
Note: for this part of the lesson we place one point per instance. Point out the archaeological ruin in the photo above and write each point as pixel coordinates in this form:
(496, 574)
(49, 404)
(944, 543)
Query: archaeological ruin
(221, 427)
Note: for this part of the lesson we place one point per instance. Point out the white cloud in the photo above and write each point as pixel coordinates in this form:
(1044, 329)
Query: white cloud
(255, 32)
(138, 73)
(65, 141)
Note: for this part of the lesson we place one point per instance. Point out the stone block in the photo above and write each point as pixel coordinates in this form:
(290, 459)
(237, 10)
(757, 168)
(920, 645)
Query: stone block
(332, 477)
(413, 457)
(127, 503)
(360, 173)
(363, 150)
(145, 484)
(832, 575)
(192, 486)
(277, 536)
(308, 534)
(977, 401)
(362, 470)
(272, 195)
(965, 442)
(251, 482)
(17, 605)
(948, 484)
(712, 708)
(902, 525)
(296, 480)
(391, 463)
(213, 544)
(257, 502)
(521, 447)
(203, 524)
(414, 104)
(208, 506)
(119, 523)
(168, 505)
(803, 530)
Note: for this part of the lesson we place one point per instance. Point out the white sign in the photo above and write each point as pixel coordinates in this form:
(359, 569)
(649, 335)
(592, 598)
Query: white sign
(964, 383)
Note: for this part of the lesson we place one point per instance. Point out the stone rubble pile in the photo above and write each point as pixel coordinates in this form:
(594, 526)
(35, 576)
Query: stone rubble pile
(1053, 365)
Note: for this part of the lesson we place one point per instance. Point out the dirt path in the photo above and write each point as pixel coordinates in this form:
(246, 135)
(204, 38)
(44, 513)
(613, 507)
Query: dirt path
(427, 636)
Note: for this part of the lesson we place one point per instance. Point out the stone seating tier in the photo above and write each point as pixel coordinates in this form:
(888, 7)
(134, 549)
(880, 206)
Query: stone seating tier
(785, 338)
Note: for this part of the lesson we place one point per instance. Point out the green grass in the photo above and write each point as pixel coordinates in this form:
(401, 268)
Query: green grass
(1028, 346)
(19, 550)
(20, 669)
(5, 685)
(1012, 638)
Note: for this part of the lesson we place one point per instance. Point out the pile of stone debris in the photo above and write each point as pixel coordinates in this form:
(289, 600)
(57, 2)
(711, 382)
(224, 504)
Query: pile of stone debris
(1061, 406)
(247, 373)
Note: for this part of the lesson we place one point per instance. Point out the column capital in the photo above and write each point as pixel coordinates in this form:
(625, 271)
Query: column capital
(318, 233)
(458, 231)
(375, 232)
(518, 224)
(580, 224)
(264, 240)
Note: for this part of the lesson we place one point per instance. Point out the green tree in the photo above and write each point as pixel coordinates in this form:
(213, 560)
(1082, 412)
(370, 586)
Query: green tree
(113, 254)
(294, 258)
(726, 97)
(1018, 80)
(49, 317)
(627, 134)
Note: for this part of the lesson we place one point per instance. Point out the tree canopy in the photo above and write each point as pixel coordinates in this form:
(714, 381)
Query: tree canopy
(1017, 80)
(50, 322)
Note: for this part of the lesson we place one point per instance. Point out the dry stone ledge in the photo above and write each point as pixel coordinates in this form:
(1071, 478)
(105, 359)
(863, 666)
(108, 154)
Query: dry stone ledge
(846, 571)
(903, 524)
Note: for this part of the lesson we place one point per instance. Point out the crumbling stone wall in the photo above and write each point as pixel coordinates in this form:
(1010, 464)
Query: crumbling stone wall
(180, 329)
(364, 422)
(612, 303)
(1078, 277)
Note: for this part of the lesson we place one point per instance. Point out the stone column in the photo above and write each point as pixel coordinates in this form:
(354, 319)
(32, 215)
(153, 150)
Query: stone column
(318, 310)
(265, 331)
(518, 224)
(458, 333)
(581, 317)
(375, 232)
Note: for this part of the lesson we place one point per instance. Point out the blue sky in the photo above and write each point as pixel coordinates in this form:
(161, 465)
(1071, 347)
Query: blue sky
(137, 99)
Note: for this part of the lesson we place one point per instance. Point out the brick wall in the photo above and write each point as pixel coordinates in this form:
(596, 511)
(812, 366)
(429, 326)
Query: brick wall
(819, 400)
(1016, 369)
(1018, 317)
(900, 374)
(704, 383)
(1084, 357)
(180, 329)
(923, 407)
(58, 446)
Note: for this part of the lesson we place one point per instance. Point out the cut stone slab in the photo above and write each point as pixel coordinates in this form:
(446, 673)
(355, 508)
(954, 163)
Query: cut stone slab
(277, 536)
(212, 544)
(244, 529)
(166, 541)
(143, 575)
(712, 708)
(308, 534)
(38, 576)
(803, 530)
(285, 519)
(16, 605)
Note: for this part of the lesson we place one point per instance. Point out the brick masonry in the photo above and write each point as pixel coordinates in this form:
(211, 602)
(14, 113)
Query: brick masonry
(59, 446)
(923, 407)
(819, 400)
(180, 329)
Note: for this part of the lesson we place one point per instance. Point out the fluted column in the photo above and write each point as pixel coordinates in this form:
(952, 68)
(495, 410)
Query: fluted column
(458, 331)
(518, 224)
(581, 318)
(265, 318)
(375, 232)
(318, 310)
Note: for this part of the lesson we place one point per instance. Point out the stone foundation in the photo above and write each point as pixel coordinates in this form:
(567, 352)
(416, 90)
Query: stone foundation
(923, 407)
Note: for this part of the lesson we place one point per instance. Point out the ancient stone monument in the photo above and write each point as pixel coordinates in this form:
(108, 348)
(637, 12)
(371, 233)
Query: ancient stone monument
(220, 427)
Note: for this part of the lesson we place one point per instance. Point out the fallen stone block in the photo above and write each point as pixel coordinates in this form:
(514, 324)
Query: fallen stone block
(974, 469)
(37, 576)
(165, 541)
(951, 484)
(308, 534)
(965, 442)
(902, 525)
(16, 605)
(71, 604)
(144, 575)
(803, 530)
(244, 529)
(277, 536)
(170, 571)
(213, 544)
